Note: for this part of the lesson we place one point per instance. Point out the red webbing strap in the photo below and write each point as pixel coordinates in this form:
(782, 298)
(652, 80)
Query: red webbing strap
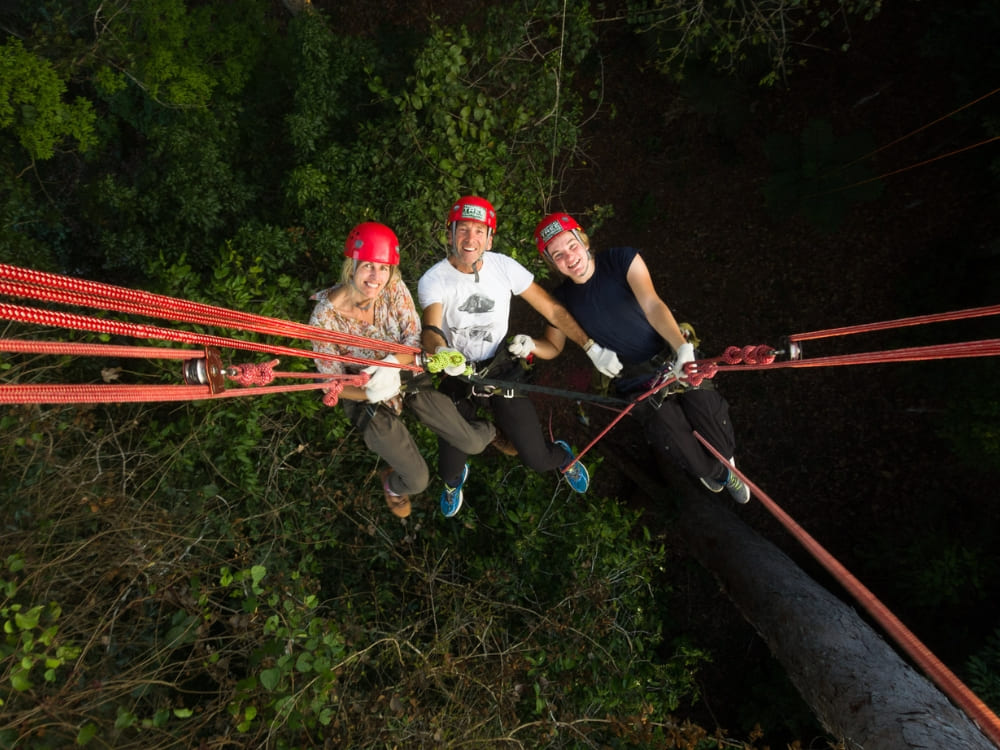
(974, 708)
(975, 312)
(108, 296)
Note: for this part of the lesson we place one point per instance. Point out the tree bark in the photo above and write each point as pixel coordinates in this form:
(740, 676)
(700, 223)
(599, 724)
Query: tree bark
(859, 688)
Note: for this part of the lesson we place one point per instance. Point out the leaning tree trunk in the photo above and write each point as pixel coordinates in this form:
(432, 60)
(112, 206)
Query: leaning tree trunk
(859, 688)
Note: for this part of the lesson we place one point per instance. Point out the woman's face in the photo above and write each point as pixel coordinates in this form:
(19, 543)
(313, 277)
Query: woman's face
(570, 257)
(370, 278)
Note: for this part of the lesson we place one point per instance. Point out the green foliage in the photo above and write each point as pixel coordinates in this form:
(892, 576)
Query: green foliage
(983, 669)
(819, 175)
(33, 106)
(208, 122)
(277, 602)
(225, 570)
(493, 113)
(947, 574)
(973, 429)
(31, 648)
(177, 53)
(759, 37)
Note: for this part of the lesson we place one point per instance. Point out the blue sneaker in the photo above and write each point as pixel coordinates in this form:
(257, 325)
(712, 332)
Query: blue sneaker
(577, 475)
(451, 497)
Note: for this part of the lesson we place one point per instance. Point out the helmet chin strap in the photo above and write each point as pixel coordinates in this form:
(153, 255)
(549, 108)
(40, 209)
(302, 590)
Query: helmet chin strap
(453, 250)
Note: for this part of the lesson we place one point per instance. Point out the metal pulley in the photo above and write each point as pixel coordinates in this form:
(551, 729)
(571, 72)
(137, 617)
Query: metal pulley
(792, 348)
(207, 370)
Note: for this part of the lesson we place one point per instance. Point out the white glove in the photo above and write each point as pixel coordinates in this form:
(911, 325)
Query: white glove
(685, 354)
(521, 346)
(605, 360)
(383, 382)
(455, 368)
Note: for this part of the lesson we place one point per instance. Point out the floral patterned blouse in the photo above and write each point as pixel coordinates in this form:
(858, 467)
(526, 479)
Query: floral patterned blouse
(395, 320)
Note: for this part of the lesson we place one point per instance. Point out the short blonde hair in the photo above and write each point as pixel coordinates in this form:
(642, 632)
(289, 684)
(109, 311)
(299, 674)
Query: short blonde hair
(350, 266)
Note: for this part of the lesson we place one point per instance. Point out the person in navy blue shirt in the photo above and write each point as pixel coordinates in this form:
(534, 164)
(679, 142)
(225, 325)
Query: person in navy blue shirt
(612, 297)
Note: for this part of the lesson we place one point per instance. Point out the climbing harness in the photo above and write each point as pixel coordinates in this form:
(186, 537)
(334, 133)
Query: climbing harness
(508, 389)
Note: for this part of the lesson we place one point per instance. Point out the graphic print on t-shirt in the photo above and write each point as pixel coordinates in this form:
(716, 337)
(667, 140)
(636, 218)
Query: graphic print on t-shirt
(477, 304)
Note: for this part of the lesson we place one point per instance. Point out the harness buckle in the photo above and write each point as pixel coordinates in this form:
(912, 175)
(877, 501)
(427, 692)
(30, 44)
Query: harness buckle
(482, 391)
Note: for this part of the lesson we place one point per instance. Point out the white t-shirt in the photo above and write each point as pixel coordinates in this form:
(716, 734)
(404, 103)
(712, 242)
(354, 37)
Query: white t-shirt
(474, 315)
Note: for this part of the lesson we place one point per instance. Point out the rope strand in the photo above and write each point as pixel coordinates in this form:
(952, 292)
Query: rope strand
(68, 290)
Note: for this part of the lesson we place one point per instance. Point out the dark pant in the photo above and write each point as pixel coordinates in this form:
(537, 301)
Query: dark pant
(386, 435)
(669, 431)
(514, 417)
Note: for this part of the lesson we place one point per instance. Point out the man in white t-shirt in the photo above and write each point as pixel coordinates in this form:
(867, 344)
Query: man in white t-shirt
(466, 304)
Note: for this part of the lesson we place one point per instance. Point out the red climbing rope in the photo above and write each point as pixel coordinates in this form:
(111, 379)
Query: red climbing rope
(204, 378)
(25, 346)
(763, 357)
(73, 393)
(58, 319)
(943, 677)
(68, 290)
(664, 381)
(975, 312)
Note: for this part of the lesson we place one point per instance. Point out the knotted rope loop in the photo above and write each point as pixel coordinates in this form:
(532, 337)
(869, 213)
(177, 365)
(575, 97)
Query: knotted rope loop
(733, 355)
(699, 370)
(253, 373)
(332, 395)
(760, 354)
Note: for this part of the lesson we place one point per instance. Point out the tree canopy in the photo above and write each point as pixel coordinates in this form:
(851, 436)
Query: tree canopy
(212, 574)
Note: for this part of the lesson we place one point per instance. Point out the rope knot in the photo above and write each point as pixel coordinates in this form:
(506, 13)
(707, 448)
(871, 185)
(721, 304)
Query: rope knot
(332, 394)
(254, 373)
(733, 355)
(760, 354)
(698, 371)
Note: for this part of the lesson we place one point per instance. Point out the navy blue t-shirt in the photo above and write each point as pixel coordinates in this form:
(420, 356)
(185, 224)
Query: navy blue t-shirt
(606, 308)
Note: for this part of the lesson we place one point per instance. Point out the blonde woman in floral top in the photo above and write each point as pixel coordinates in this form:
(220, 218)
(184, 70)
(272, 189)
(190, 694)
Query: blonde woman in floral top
(372, 301)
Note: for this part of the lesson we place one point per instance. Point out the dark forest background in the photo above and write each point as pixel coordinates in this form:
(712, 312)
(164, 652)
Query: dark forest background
(220, 574)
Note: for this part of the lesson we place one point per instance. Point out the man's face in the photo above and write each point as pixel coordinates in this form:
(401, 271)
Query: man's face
(570, 256)
(472, 239)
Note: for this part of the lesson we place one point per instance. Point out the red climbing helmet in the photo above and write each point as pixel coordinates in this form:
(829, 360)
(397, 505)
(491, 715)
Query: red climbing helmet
(552, 225)
(473, 208)
(372, 242)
